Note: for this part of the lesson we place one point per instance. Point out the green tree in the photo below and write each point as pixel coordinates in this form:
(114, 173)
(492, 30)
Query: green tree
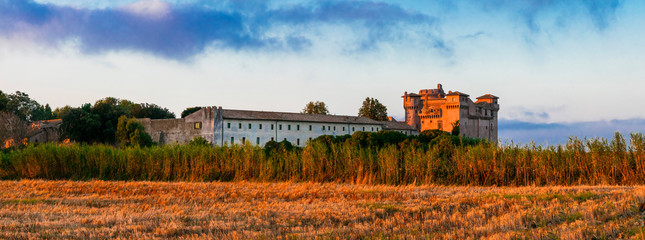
(26, 108)
(98, 123)
(60, 112)
(373, 109)
(316, 108)
(3, 101)
(82, 125)
(152, 111)
(455, 128)
(189, 111)
(199, 141)
(131, 132)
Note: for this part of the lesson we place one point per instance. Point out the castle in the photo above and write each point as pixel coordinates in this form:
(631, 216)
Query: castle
(434, 109)
(430, 109)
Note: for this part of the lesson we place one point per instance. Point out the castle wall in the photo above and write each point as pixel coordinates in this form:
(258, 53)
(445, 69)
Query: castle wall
(297, 133)
(210, 124)
(431, 109)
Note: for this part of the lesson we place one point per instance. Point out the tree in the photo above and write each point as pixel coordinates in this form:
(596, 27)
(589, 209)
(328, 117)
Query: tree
(152, 111)
(82, 125)
(3, 101)
(373, 109)
(25, 108)
(131, 132)
(98, 123)
(13, 130)
(455, 128)
(189, 111)
(60, 112)
(316, 108)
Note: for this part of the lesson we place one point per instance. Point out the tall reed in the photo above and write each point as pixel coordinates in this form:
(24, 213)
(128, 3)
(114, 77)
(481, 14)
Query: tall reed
(579, 161)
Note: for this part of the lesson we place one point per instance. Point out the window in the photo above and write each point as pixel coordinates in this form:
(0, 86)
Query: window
(249, 126)
(271, 126)
(271, 138)
(232, 140)
(285, 139)
(334, 128)
(260, 126)
(198, 125)
(310, 139)
(298, 127)
(363, 128)
(228, 125)
(309, 127)
(323, 128)
(289, 127)
(239, 126)
(257, 141)
(298, 141)
(280, 127)
(353, 129)
(372, 129)
(343, 129)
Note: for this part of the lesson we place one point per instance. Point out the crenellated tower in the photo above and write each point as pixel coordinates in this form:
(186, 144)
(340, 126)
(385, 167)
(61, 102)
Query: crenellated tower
(434, 109)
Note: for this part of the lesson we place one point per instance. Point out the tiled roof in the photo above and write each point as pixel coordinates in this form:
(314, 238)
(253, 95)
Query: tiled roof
(295, 117)
(388, 125)
(487, 96)
(457, 93)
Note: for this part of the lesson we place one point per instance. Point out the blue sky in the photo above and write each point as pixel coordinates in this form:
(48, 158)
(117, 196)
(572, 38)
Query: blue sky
(574, 67)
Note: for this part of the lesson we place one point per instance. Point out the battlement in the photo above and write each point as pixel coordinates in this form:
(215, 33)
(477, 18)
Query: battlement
(434, 109)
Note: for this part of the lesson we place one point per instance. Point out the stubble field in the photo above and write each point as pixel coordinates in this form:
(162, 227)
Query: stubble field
(38, 209)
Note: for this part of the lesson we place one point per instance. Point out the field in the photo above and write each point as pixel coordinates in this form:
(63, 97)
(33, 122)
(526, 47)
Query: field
(239, 210)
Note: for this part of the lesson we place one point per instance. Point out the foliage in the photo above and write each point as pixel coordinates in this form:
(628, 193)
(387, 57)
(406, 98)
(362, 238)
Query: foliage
(199, 141)
(24, 107)
(98, 123)
(455, 128)
(273, 147)
(373, 109)
(315, 108)
(152, 111)
(13, 130)
(3, 101)
(131, 132)
(82, 125)
(60, 112)
(189, 111)
(446, 159)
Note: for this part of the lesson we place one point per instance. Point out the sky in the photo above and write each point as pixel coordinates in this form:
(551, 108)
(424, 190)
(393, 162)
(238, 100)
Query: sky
(561, 68)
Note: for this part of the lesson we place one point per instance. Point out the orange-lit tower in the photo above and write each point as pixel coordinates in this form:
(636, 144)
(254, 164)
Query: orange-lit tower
(434, 109)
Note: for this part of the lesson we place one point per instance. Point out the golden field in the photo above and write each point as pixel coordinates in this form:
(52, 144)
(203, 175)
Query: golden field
(38, 209)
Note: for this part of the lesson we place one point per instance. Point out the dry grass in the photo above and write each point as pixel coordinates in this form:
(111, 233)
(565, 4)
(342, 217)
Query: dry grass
(35, 209)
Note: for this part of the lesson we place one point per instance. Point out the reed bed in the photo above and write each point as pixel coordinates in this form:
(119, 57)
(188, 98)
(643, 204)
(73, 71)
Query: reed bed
(578, 162)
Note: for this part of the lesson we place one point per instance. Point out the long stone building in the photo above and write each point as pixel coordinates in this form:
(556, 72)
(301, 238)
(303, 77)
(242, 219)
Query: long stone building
(226, 127)
(434, 109)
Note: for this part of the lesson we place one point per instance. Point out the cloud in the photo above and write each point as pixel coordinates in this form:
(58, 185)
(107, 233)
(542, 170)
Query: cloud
(183, 31)
(555, 133)
(155, 9)
(535, 15)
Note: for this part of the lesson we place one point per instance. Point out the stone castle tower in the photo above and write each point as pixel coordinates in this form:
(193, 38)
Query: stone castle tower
(434, 109)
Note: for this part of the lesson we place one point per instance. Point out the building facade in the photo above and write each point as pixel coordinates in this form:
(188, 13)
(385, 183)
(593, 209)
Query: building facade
(435, 109)
(227, 127)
